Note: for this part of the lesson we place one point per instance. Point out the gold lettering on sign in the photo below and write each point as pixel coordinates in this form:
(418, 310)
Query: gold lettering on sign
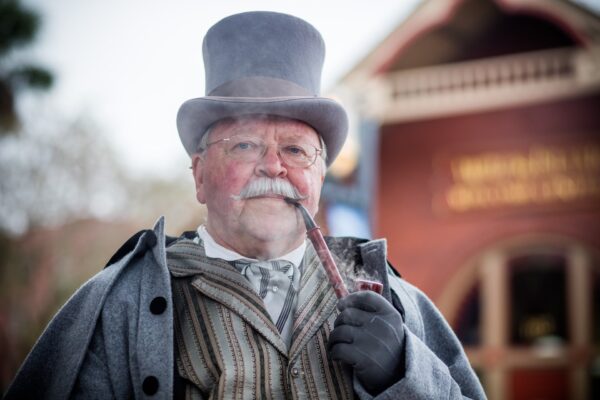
(540, 175)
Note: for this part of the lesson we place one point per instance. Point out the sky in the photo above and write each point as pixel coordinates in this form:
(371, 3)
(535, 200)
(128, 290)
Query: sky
(129, 65)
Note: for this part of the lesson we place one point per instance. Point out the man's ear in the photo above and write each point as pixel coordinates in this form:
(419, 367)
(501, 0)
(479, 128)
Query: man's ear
(198, 172)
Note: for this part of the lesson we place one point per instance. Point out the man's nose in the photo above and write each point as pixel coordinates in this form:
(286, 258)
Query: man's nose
(270, 164)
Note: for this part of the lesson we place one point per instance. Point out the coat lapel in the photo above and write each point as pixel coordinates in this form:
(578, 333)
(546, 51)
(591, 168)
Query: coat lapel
(316, 302)
(220, 281)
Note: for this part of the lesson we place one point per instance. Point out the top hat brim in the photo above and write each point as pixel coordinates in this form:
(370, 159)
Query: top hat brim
(324, 115)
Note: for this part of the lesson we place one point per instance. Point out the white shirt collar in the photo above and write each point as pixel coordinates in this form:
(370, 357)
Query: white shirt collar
(214, 250)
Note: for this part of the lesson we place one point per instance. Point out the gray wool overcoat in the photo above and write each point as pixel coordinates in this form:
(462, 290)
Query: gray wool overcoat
(120, 323)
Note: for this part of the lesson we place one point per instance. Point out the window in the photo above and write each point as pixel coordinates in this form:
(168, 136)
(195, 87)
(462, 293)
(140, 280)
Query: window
(538, 300)
(467, 324)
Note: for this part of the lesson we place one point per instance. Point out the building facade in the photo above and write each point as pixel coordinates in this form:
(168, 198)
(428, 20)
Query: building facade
(476, 152)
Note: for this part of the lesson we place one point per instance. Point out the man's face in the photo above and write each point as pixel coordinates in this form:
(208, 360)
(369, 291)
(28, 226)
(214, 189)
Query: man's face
(245, 225)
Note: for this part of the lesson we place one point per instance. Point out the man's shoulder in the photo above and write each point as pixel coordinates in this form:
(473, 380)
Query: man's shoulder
(144, 240)
(127, 271)
(346, 247)
(128, 246)
(345, 241)
(124, 267)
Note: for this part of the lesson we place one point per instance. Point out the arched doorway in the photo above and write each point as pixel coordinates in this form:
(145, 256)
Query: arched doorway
(527, 311)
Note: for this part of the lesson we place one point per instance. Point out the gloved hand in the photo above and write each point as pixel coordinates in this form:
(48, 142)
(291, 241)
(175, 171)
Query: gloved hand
(368, 335)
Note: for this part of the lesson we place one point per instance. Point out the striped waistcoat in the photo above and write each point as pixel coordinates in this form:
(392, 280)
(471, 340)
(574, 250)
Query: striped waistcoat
(227, 347)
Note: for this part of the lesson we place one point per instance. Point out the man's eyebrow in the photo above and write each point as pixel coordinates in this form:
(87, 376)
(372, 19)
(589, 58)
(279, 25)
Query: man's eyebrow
(236, 130)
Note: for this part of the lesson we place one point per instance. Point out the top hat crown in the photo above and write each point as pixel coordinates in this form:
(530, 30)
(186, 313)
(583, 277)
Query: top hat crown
(283, 50)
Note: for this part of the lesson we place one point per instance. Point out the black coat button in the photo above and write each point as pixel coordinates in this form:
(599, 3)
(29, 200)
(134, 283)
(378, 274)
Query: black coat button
(150, 385)
(158, 305)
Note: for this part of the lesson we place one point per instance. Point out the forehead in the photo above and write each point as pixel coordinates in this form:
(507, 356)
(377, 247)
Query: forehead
(263, 126)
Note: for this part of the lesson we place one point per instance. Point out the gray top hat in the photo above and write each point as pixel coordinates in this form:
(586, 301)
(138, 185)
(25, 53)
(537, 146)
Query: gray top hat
(263, 63)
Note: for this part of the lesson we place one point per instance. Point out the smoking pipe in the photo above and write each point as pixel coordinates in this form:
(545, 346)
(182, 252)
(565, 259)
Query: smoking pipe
(316, 237)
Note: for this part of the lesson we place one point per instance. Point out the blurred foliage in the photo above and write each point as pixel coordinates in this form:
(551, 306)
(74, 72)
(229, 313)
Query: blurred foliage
(18, 25)
(18, 28)
(54, 170)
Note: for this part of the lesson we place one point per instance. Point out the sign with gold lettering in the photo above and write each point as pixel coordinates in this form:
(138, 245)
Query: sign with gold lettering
(539, 175)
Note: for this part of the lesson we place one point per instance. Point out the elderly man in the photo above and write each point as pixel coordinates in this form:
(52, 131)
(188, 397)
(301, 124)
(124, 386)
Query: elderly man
(241, 308)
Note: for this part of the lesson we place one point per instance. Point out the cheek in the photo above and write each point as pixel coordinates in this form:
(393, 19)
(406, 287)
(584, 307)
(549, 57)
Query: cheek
(308, 183)
(227, 180)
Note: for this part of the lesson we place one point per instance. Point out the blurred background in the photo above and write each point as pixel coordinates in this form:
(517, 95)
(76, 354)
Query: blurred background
(474, 149)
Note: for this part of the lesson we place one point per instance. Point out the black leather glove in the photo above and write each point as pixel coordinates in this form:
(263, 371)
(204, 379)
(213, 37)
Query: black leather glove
(368, 335)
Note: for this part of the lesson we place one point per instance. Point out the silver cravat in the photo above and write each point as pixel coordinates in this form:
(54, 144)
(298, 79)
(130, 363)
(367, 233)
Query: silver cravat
(275, 282)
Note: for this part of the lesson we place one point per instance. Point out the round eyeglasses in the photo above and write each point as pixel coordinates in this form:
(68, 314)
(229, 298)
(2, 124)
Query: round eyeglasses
(252, 149)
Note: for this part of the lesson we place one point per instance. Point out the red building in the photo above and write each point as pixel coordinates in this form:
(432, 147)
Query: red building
(476, 152)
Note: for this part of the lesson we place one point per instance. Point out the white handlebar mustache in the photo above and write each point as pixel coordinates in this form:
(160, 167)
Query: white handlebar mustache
(269, 186)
